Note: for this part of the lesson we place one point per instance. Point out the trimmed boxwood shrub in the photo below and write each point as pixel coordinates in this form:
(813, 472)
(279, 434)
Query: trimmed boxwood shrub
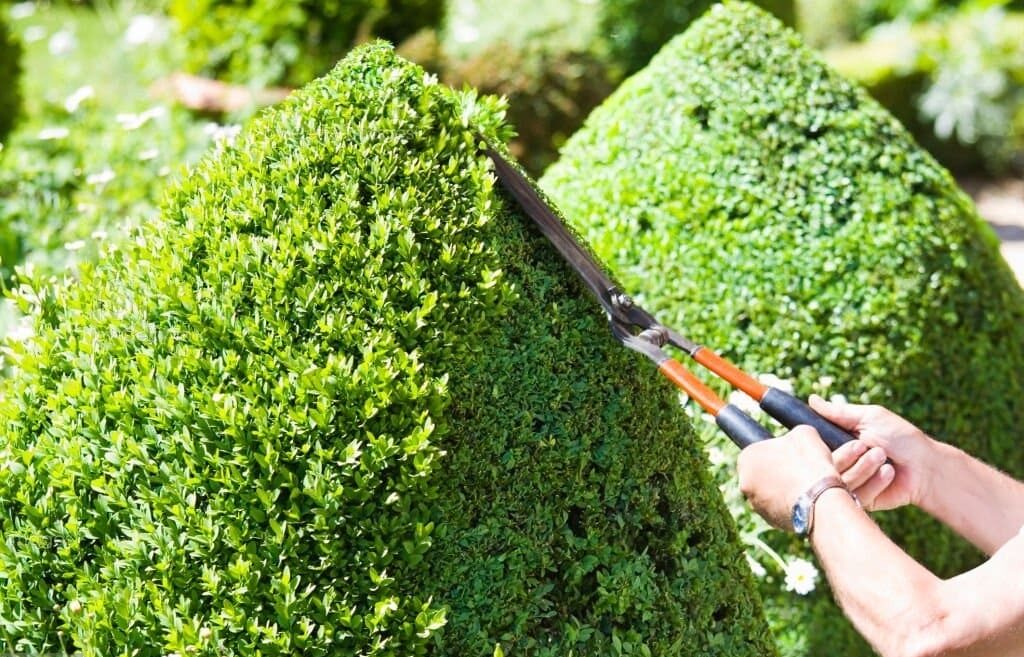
(763, 205)
(10, 88)
(264, 42)
(343, 399)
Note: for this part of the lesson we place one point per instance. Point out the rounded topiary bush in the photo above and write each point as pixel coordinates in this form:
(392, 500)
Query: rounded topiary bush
(10, 71)
(768, 208)
(343, 399)
(264, 42)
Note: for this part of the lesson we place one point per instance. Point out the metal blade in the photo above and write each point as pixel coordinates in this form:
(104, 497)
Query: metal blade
(552, 227)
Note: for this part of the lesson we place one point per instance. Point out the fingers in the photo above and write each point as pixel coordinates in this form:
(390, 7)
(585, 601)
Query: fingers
(863, 467)
(870, 491)
(848, 416)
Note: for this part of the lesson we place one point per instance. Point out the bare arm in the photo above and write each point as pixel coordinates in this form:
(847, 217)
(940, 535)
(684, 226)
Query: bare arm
(977, 501)
(901, 608)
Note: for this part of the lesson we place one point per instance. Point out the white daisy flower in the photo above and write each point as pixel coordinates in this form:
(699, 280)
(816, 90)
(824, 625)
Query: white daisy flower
(75, 246)
(149, 154)
(801, 576)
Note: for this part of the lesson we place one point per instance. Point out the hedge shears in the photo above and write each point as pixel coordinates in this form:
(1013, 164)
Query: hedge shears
(638, 330)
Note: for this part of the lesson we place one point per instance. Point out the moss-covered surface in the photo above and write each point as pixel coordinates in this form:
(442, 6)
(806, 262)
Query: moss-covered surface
(765, 206)
(342, 399)
(10, 85)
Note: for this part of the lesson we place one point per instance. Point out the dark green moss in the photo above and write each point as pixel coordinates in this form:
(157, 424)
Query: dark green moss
(10, 85)
(767, 207)
(343, 399)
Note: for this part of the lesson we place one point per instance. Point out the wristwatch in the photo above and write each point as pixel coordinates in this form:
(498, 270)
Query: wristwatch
(803, 510)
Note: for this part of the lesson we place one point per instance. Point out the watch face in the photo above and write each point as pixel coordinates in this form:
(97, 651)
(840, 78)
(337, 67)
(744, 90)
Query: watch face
(800, 518)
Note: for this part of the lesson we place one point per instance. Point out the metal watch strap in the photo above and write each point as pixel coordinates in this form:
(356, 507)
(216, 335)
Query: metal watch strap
(814, 492)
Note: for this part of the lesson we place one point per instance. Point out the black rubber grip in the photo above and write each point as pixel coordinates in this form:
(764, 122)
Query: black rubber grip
(740, 427)
(790, 411)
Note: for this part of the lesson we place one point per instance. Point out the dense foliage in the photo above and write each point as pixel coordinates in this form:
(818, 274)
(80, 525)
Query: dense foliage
(264, 42)
(10, 84)
(342, 398)
(767, 207)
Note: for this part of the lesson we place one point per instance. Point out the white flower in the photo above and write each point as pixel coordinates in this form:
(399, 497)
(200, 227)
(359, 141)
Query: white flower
(826, 382)
(51, 134)
(99, 234)
(164, 171)
(34, 33)
(74, 246)
(62, 43)
(801, 576)
(79, 96)
(429, 79)
(149, 154)
(205, 633)
(743, 401)
(838, 399)
(775, 382)
(74, 606)
(22, 10)
(101, 177)
(145, 29)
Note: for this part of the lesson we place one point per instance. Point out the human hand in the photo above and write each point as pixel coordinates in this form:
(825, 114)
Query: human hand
(881, 433)
(774, 473)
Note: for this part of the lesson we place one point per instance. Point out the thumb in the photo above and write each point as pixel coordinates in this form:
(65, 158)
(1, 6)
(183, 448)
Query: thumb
(846, 415)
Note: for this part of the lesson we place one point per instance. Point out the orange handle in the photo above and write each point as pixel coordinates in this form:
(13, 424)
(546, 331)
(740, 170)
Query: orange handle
(734, 375)
(691, 385)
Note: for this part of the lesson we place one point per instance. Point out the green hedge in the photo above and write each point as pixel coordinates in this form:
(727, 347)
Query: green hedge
(341, 399)
(765, 206)
(265, 42)
(10, 71)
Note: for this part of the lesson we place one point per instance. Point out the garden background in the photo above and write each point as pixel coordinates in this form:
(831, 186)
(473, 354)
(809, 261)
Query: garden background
(113, 105)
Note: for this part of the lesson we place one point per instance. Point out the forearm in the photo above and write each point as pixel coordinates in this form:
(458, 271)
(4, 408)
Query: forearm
(889, 597)
(977, 501)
